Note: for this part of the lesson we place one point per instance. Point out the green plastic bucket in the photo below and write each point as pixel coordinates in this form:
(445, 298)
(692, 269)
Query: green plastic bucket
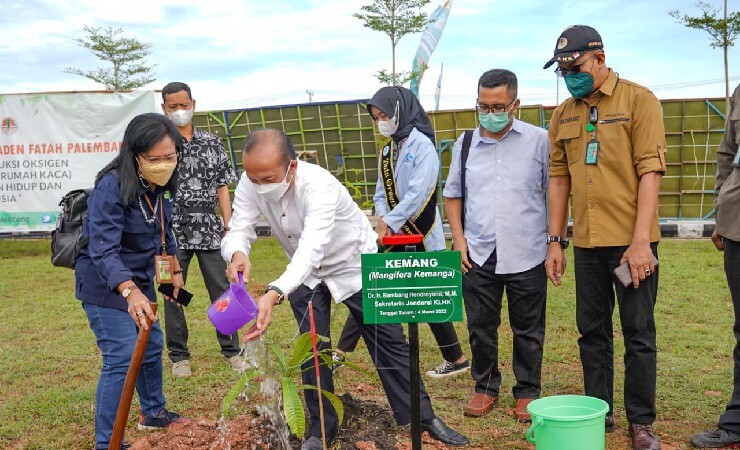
(573, 422)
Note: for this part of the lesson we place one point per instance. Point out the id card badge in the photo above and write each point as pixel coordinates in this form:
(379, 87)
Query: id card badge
(736, 160)
(163, 268)
(592, 152)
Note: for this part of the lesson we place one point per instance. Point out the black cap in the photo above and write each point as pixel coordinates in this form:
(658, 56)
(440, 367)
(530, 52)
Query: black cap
(573, 42)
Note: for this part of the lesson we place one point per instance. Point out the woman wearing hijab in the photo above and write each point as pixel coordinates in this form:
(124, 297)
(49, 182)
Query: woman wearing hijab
(415, 171)
(129, 229)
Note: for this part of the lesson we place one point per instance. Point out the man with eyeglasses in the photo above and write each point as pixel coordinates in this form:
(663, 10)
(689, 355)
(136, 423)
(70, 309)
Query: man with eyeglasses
(495, 204)
(204, 174)
(608, 150)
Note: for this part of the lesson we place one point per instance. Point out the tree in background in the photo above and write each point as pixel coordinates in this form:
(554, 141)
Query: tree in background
(723, 31)
(395, 18)
(127, 55)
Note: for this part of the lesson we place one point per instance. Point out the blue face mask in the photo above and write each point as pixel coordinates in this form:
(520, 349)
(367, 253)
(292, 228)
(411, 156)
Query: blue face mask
(579, 84)
(494, 122)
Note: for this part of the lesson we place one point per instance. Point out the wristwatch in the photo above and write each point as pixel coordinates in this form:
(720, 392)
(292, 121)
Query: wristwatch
(281, 295)
(127, 291)
(563, 242)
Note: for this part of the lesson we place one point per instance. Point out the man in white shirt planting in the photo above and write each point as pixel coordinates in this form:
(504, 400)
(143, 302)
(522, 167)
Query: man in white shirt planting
(323, 232)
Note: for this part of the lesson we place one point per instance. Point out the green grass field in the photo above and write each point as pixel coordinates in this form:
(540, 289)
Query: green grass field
(49, 362)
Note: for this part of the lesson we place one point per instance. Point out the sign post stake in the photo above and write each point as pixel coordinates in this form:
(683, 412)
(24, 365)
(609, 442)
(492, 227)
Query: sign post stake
(410, 242)
(409, 287)
(415, 379)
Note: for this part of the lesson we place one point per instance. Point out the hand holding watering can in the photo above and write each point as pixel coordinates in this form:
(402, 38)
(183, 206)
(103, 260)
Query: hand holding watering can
(240, 268)
(234, 308)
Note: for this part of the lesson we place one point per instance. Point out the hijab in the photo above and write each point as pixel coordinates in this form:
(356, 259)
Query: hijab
(410, 112)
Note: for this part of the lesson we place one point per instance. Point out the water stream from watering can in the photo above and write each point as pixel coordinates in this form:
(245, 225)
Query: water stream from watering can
(255, 355)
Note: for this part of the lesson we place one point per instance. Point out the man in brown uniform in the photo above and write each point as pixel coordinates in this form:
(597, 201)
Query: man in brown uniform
(727, 237)
(608, 149)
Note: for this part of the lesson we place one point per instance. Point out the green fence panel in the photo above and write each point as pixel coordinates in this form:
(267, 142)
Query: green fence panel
(340, 137)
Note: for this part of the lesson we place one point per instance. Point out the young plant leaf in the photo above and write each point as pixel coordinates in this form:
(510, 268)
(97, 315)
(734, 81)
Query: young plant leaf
(282, 360)
(293, 408)
(336, 403)
(235, 390)
(301, 351)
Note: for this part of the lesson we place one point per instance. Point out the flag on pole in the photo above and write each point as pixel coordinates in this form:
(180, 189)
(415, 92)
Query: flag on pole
(438, 90)
(429, 40)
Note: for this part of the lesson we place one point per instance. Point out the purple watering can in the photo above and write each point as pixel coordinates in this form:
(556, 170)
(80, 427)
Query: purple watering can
(233, 309)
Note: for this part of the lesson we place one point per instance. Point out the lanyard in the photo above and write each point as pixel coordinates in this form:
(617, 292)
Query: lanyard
(161, 217)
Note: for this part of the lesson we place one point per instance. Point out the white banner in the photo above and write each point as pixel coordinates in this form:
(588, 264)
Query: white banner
(51, 144)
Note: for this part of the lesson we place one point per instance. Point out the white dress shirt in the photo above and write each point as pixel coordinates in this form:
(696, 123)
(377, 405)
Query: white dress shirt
(320, 227)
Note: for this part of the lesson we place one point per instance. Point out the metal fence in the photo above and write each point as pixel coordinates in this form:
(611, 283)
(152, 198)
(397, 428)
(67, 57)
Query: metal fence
(340, 137)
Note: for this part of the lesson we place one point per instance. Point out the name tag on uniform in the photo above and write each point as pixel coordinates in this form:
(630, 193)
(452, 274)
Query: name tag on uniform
(592, 152)
(736, 160)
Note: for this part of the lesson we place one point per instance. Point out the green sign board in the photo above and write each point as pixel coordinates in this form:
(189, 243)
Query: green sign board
(412, 287)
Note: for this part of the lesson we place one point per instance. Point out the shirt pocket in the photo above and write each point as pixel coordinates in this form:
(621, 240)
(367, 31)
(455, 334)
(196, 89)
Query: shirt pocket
(735, 122)
(569, 135)
(526, 176)
(137, 235)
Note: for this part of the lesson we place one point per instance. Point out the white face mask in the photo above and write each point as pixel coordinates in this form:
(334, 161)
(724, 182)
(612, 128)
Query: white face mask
(273, 191)
(181, 117)
(389, 127)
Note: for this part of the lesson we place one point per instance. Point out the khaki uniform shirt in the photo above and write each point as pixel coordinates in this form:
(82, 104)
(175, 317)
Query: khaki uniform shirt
(631, 139)
(728, 177)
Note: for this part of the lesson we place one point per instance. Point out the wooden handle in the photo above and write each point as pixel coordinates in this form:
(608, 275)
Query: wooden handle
(129, 386)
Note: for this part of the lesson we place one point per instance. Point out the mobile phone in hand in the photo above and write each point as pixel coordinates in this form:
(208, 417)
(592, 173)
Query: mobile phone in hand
(183, 296)
(624, 274)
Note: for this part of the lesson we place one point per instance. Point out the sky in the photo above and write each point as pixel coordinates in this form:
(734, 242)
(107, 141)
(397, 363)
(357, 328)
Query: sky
(248, 53)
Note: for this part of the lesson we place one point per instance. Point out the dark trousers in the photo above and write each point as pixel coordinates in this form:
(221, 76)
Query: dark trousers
(526, 292)
(595, 289)
(730, 419)
(213, 268)
(444, 334)
(387, 346)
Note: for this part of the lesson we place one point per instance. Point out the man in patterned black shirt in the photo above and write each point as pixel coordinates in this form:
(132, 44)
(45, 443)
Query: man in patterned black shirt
(204, 175)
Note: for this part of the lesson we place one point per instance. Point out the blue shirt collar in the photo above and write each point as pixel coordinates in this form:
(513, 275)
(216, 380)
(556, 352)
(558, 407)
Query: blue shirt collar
(516, 125)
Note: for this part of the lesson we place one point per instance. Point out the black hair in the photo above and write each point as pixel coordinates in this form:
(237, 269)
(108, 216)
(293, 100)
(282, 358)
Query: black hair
(174, 87)
(142, 133)
(272, 136)
(500, 77)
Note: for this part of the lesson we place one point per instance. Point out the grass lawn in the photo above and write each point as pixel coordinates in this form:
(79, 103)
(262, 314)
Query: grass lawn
(49, 362)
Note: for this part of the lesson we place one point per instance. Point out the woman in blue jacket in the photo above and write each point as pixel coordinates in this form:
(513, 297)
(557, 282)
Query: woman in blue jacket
(128, 224)
(406, 201)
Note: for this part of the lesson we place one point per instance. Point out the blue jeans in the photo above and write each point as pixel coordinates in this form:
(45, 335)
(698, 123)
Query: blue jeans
(116, 336)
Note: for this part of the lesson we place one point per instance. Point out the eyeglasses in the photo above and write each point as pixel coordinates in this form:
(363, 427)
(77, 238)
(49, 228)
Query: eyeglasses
(153, 160)
(572, 69)
(485, 109)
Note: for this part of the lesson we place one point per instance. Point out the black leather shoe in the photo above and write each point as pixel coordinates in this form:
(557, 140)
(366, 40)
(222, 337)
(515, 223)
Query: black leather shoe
(609, 423)
(441, 432)
(312, 443)
(716, 439)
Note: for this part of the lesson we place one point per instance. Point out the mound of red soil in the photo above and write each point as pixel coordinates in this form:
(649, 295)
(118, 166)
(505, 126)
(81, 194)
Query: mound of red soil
(243, 432)
(367, 426)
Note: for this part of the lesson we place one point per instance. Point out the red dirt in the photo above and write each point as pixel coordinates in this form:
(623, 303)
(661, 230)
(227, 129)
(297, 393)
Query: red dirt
(367, 426)
(244, 432)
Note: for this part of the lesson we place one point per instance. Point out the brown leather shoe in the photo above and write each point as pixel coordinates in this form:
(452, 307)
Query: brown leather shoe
(479, 404)
(643, 437)
(520, 410)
